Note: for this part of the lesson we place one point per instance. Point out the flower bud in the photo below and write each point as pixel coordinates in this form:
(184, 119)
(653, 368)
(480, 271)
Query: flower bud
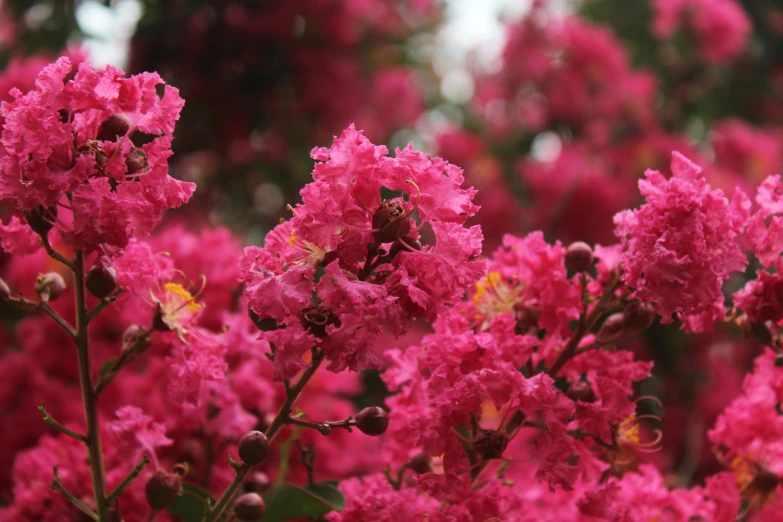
(526, 319)
(117, 125)
(612, 328)
(136, 161)
(420, 464)
(581, 391)
(638, 316)
(101, 281)
(372, 421)
(253, 447)
(50, 286)
(249, 507)
(779, 360)
(579, 256)
(390, 221)
(162, 488)
(490, 444)
(35, 218)
(5, 292)
(133, 335)
(257, 482)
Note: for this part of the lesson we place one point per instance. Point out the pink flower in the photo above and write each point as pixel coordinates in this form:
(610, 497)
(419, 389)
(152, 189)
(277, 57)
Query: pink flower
(350, 265)
(611, 376)
(73, 136)
(18, 238)
(762, 298)
(373, 498)
(680, 245)
(764, 235)
(750, 430)
(721, 27)
(137, 433)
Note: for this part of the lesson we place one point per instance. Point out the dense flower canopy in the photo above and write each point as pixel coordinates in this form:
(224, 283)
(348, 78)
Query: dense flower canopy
(546, 288)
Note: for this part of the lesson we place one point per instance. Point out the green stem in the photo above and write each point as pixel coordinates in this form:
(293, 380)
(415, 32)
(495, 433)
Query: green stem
(53, 253)
(279, 421)
(89, 397)
(127, 355)
(106, 301)
(43, 306)
(75, 501)
(48, 419)
(114, 495)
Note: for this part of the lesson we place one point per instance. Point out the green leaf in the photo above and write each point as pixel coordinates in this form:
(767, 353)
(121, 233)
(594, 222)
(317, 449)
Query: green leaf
(289, 502)
(191, 505)
(106, 366)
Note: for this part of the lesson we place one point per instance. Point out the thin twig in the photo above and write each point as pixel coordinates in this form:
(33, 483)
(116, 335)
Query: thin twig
(48, 419)
(284, 413)
(126, 481)
(57, 486)
(324, 427)
(106, 301)
(44, 307)
(307, 458)
(54, 254)
(122, 361)
(89, 394)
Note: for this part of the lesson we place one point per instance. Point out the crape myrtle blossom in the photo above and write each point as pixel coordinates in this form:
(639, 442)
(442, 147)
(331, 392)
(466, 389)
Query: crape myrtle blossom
(748, 435)
(481, 388)
(73, 136)
(349, 262)
(681, 245)
(721, 27)
(170, 396)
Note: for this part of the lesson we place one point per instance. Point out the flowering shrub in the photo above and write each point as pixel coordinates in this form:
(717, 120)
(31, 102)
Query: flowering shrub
(373, 358)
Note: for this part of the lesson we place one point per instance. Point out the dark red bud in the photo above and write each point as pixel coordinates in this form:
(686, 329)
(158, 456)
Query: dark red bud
(50, 286)
(249, 507)
(612, 328)
(136, 161)
(490, 444)
(390, 221)
(117, 125)
(420, 464)
(101, 281)
(779, 360)
(638, 316)
(253, 447)
(527, 319)
(372, 421)
(41, 219)
(5, 292)
(257, 482)
(162, 488)
(581, 391)
(579, 256)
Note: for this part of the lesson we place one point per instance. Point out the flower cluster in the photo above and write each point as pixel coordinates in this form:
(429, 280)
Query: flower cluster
(680, 247)
(146, 374)
(351, 263)
(69, 144)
